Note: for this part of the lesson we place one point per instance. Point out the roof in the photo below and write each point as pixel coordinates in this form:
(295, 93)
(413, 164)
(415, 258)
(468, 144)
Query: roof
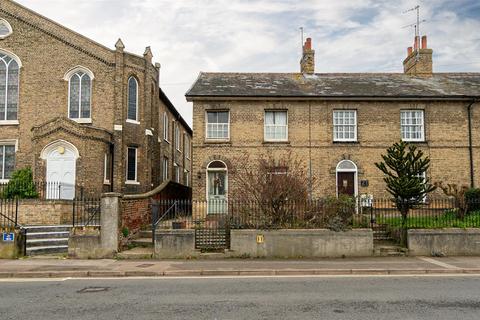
(174, 111)
(335, 85)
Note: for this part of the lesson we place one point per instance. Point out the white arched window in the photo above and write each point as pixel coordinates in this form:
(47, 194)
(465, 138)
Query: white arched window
(5, 29)
(9, 78)
(132, 112)
(79, 94)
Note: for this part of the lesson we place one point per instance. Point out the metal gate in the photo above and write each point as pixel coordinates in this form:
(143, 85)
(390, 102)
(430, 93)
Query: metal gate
(213, 233)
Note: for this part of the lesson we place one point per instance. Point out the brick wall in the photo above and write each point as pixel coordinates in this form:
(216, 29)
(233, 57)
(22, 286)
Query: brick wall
(310, 137)
(44, 212)
(136, 214)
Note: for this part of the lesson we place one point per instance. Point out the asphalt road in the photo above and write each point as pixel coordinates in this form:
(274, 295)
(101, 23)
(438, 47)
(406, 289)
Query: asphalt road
(447, 297)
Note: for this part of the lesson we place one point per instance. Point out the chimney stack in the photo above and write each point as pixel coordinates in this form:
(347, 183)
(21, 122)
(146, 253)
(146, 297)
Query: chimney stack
(419, 59)
(307, 63)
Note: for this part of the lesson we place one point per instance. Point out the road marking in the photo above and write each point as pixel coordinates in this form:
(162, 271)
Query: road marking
(438, 263)
(456, 275)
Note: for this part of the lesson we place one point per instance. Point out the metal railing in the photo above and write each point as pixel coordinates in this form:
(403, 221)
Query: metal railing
(86, 212)
(42, 190)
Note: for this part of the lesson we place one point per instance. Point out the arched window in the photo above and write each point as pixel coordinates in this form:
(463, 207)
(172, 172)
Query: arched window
(132, 113)
(79, 94)
(9, 77)
(5, 29)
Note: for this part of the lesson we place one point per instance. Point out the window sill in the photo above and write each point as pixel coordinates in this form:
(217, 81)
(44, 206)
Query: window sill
(276, 142)
(166, 140)
(132, 121)
(226, 141)
(2, 181)
(9, 122)
(416, 141)
(132, 182)
(83, 120)
(346, 142)
(106, 182)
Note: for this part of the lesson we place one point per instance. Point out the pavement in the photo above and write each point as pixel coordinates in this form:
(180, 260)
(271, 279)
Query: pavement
(71, 268)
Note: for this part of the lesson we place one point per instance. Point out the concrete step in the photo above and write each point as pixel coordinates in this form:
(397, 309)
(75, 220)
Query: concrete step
(142, 242)
(146, 234)
(47, 250)
(39, 229)
(33, 243)
(47, 235)
(136, 253)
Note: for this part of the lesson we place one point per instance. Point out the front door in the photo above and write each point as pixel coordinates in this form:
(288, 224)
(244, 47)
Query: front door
(217, 192)
(61, 174)
(346, 183)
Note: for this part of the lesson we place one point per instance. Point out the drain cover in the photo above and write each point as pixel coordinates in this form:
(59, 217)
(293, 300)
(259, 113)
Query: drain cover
(145, 265)
(93, 289)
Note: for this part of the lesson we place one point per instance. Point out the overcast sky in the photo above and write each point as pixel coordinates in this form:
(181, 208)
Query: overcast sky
(189, 36)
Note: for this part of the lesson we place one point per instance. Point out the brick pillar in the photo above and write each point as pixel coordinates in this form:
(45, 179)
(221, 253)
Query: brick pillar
(110, 222)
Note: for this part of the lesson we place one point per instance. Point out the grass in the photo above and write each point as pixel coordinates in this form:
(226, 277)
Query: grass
(445, 220)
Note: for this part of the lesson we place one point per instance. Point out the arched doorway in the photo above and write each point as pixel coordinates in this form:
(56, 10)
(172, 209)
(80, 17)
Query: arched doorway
(346, 173)
(61, 158)
(217, 187)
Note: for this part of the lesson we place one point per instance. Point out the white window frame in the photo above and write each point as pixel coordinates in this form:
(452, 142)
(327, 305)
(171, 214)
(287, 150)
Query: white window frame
(274, 126)
(68, 77)
(7, 142)
(206, 126)
(177, 138)
(9, 27)
(165, 127)
(422, 138)
(186, 145)
(136, 167)
(177, 172)
(106, 173)
(134, 121)
(336, 126)
(19, 63)
(187, 178)
(165, 168)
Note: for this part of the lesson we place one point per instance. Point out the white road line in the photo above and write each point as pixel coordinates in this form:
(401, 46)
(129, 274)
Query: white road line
(438, 263)
(456, 275)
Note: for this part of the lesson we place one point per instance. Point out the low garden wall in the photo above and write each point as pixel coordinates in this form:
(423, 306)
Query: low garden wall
(85, 243)
(311, 243)
(449, 242)
(175, 244)
(12, 249)
(44, 212)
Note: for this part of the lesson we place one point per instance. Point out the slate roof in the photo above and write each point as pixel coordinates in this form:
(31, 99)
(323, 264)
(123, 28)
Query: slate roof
(335, 85)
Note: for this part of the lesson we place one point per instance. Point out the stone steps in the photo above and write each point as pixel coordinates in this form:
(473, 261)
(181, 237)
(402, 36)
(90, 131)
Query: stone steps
(47, 239)
(142, 242)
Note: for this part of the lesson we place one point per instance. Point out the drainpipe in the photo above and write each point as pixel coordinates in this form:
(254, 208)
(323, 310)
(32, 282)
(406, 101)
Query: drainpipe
(310, 150)
(470, 143)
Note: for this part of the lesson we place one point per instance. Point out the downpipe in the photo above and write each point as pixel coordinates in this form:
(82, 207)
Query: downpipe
(470, 142)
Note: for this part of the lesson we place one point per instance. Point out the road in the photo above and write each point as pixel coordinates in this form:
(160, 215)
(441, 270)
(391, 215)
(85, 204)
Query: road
(364, 297)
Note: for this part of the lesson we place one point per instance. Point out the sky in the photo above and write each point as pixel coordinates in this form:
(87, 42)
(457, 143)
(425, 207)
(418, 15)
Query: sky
(189, 36)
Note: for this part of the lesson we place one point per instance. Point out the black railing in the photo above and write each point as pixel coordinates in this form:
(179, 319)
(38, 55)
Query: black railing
(433, 213)
(42, 190)
(86, 212)
(329, 213)
(8, 213)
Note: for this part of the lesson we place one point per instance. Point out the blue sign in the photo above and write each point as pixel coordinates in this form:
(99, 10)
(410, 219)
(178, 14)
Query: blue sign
(8, 237)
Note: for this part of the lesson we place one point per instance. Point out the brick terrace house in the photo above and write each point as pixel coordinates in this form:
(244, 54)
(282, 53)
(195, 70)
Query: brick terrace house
(79, 113)
(339, 124)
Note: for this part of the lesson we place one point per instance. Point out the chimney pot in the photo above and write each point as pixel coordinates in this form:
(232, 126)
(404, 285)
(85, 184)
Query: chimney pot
(409, 51)
(415, 44)
(308, 44)
(424, 42)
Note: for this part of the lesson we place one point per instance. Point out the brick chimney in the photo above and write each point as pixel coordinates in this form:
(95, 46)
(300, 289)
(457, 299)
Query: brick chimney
(307, 63)
(419, 59)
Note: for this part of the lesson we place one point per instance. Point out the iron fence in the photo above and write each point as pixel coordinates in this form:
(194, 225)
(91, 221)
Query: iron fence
(8, 214)
(42, 190)
(433, 213)
(86, 212)
(329, 213)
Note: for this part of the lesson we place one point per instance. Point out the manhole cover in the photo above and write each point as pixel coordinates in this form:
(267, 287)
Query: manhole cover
(145, 265)
(93, 289)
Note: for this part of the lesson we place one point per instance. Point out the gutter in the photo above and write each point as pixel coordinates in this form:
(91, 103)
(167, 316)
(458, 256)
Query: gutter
(470, 143)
